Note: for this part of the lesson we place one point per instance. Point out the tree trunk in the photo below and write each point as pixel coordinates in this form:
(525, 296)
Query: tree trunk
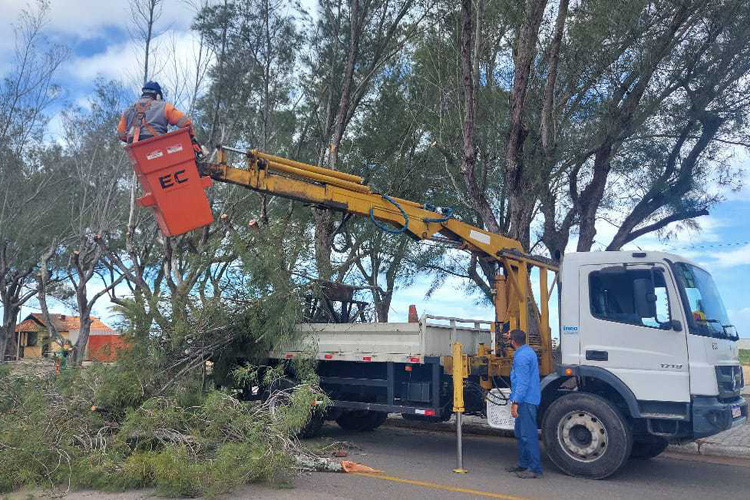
(220, 86)
(516, 186)
(590, 198)
(549, 89)
(468, 157)
(149, 31)
(8, 340)
(382, 306)
(11, 299)
(85, 329)
(54, 334)
(323, 243)
(323, 222)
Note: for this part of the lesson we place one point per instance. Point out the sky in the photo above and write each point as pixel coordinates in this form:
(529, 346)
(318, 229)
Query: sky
(96, 31)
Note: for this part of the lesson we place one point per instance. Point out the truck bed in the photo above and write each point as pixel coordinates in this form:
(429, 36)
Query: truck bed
(431, 337)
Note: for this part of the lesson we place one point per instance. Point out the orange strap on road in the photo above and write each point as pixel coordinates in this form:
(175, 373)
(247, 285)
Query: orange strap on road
(355, 467)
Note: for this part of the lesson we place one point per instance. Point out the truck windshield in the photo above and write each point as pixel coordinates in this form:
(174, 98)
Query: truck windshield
(705, 309)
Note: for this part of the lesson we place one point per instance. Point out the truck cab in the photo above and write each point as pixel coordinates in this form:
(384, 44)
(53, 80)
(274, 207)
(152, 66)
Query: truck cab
(648, 333)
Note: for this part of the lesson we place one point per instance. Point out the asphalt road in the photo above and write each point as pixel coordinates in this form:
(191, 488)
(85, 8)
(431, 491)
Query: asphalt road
(418, 465)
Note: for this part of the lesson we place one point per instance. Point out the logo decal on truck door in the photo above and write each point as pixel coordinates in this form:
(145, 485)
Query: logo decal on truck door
(671, 366)
(570, 329)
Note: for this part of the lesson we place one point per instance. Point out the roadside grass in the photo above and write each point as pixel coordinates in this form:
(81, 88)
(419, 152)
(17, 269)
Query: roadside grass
(745, 356)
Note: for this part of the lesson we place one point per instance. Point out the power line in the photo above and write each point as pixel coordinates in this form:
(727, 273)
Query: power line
(709, 246)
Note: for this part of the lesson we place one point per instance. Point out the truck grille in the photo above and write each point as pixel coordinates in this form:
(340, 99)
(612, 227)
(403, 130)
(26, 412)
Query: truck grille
(730, 381)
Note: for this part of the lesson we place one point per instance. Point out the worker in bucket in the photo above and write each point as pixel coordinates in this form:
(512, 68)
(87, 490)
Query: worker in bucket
(524, 398)
(150, 116)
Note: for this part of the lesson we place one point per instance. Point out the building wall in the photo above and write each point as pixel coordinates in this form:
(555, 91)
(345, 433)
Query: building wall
(28, 351)
(32, 352)
(103, 348)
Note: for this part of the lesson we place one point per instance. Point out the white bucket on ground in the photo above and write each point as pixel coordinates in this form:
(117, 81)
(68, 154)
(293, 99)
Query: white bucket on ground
(498, 409)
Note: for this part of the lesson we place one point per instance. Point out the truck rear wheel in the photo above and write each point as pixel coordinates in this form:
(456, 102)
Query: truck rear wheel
(278, 395)
(585, 435)
(361, 420)
(645, 449)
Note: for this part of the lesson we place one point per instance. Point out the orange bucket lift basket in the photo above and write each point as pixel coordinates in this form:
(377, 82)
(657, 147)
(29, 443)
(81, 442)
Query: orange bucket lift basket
(172, 187)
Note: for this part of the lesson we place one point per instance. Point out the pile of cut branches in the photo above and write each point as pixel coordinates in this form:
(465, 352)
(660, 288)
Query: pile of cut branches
(98, 428)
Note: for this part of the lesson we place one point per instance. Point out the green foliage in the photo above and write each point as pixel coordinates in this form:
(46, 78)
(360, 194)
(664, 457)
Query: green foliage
(104, 427)
(745, 357)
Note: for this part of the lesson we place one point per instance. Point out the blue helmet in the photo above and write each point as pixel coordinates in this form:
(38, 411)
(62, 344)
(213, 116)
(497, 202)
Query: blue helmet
(152, 88)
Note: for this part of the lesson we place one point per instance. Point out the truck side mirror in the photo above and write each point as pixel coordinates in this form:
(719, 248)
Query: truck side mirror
(645, 297)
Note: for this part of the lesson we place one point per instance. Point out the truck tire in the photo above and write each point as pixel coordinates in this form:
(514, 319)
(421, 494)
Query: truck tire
(648, 448)
(586, 436)
(361, 420)
(316, 420)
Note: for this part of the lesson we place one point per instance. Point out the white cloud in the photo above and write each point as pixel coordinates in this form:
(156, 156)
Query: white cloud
(87, 18)
(739, 159)
(118, 62)
(174, 52)
(71, 20)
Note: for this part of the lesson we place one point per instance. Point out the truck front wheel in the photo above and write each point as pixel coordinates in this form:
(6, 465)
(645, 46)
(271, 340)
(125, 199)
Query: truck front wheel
(585, 435)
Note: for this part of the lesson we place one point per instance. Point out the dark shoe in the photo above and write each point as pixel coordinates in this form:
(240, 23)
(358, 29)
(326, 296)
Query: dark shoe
(527, 474)
(515, 468)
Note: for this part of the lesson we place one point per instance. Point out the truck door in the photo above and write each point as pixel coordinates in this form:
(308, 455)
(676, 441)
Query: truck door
(627, 328)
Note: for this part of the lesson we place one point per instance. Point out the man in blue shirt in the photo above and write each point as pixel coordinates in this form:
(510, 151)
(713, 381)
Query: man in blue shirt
(524, 397)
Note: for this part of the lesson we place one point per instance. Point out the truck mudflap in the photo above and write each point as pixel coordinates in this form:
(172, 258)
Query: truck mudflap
(711, 416)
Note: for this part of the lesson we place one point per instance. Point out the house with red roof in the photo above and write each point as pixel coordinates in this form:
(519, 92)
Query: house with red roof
(34, 340)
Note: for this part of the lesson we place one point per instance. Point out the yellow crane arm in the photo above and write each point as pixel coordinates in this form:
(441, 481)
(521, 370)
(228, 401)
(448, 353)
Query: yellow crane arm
(347, 193)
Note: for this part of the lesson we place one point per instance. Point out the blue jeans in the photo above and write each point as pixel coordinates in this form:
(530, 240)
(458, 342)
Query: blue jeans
(528, 439)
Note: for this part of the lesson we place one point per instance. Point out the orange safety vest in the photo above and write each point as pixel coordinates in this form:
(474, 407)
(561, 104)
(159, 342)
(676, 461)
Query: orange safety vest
(148, 118)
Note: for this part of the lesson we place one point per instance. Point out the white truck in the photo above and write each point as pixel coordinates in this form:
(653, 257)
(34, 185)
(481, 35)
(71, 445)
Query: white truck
(647, 357)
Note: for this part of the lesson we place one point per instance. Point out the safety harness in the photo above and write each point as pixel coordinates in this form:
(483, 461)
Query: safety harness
(140, 108)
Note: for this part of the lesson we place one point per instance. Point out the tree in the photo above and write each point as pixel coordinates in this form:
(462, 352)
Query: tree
(374, 33)
(145, 15)
(385, 148)
(582, 121)
(252, 83)
(96, 203)
(26, 93)
(668, 52)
